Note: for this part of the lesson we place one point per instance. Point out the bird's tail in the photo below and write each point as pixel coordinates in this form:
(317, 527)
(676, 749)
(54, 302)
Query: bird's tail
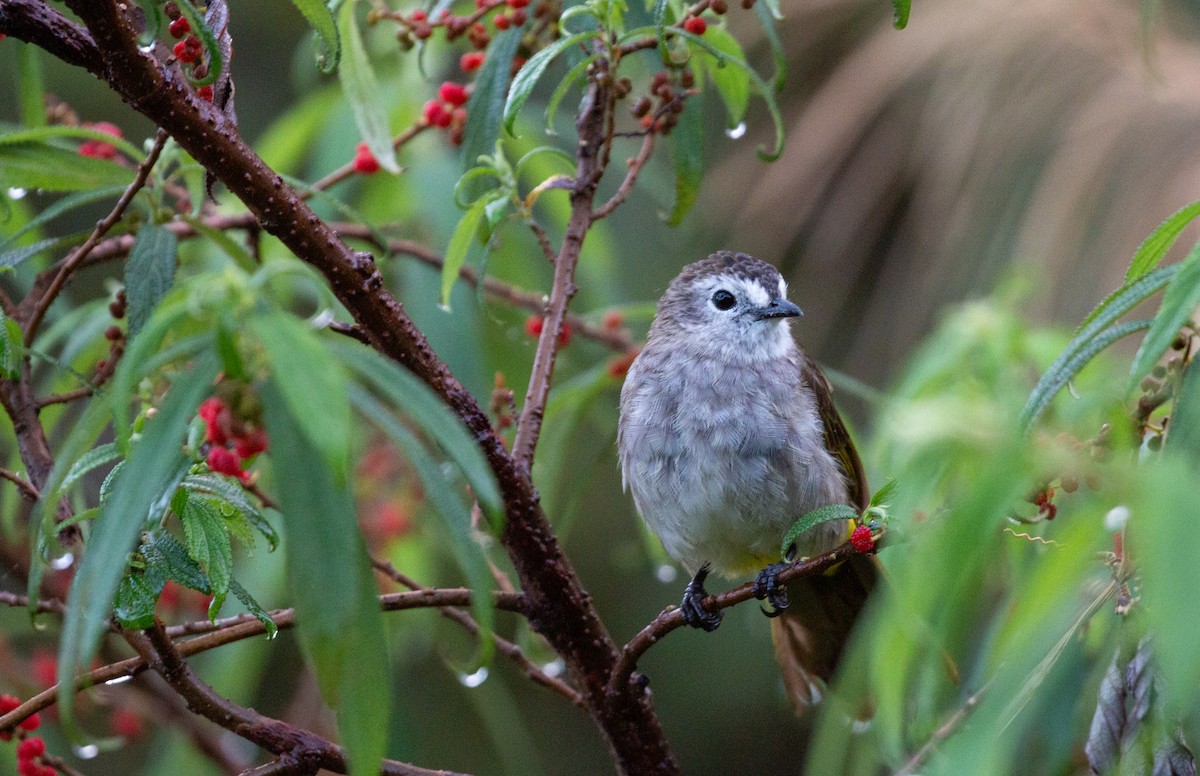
(812, 632)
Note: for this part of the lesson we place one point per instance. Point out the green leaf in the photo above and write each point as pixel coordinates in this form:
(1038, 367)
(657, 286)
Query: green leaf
(1183, 433)
(338, 620)
(149, 273)
(687, 145)
(136, 596)
(362, 91)
(254, 607)
(778, 54)
(407, 392)
(455, 514)
(12, 348)
(1063, 370)
(658, 14)
(229, 491)
(148, 479)
(39, 166)
(208, 544)
(485, 109)
(531, 72)
(1113, 307)
(1155, 247)
(15, 256)
(812, 519)
(732, 83)
(31, 86)
(63, 205)
(41, 136)
(312, 383)
(132, 367)
(163, 549)
(317, 12)
(202, 30)
(574, 75)
(1178, 304)
(92, 459)
(885, 493)
(460, 244)
(900, 9)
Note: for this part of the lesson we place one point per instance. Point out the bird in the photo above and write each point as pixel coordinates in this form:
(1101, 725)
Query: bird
(727, 435)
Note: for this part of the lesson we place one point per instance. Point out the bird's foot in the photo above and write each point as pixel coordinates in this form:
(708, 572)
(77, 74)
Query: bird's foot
(692, 606)
(767, 586)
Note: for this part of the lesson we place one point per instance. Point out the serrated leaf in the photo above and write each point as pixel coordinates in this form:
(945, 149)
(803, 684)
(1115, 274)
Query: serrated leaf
(150, 474)
(900, 9)
(1183, 433)
(338, 620)
(1178, 304)
(320, 18)
(455, 514)
(149, 273)
(1155, 247)
(228, 490)
(14, 256)
(687, 147)
(165, 549)
(208, 544)
(1063, 371)
(362, 91)
(529, 74)
(312, 383)
(485, 108)
(460, 245)
(884, 493)
(732, 83)
(254, 608)
(407, 392)
(133, 604)
(92, 459)
(812, 519)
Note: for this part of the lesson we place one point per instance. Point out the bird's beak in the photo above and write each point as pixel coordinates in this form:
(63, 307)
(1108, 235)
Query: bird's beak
(778, 308)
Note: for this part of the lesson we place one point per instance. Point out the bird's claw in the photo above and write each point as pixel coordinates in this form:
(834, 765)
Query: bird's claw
(766, 586)
(692, 606)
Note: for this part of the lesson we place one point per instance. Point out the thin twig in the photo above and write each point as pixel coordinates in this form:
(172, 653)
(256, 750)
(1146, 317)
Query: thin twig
(28, 491)
(635, 168)
(671, 617)
(44, 606)
(942, 733)
(503, 645)
(348, 171)
(71, 264)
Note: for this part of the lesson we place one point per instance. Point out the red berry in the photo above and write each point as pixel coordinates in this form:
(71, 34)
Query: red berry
(613, 320)
(501, 21)
(183, 53)
(205, 93)
(695, 25)
(533, 325)
(30, 748)
(44, 668)
(224, 461)
(32, 722)
(210, 408)
(471, 61)
(107, 127)
(619, 366)
(28, 768)
(365, 161)
(564, 335)
(517, 3)
(418, 15)
(126, 723)
(193, 44)
(455, 94)
(179, 27)
(862, 540)
(433, 111)
(253, 442)
(8, 703)
(518, 16)
(48, 770)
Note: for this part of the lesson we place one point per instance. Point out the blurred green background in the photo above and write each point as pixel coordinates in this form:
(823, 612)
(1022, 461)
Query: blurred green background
(1028, 148)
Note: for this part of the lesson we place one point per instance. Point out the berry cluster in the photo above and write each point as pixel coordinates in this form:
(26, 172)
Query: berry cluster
(231, 441)
(30, 749)
(448, 111)
(365, 162)
(535, 323)
(662, 118)
(98, 149)
(188, 49)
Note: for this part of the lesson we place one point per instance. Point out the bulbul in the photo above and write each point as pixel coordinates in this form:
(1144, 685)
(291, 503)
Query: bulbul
(727, 436)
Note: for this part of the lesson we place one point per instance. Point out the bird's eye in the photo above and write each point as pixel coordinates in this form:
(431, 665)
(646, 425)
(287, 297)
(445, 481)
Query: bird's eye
(723, 300)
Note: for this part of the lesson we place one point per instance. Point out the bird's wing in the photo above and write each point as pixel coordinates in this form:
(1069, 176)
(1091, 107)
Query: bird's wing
(837, 438)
